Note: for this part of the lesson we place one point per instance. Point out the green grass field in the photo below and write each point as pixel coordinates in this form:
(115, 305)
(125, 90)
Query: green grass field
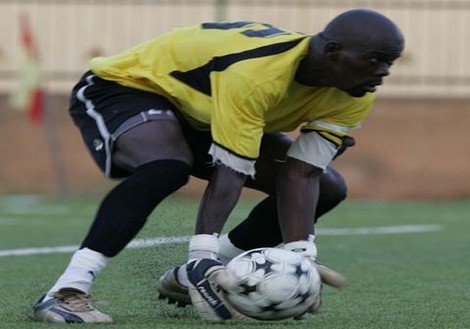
(401, 280)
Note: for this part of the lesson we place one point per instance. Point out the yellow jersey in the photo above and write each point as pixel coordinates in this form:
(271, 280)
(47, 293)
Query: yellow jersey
(235, 79)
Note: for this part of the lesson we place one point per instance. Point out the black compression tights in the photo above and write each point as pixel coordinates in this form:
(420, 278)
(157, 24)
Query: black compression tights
(124, 211)
(261, 228)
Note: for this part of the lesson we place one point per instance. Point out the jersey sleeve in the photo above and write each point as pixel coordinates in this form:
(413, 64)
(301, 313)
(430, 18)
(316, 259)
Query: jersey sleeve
(316, 149)
(320, 140)
(345, 114)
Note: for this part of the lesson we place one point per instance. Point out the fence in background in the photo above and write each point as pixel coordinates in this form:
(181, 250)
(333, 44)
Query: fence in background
(70, 32)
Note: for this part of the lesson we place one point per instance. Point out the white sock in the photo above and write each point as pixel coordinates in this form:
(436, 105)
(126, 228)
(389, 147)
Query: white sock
(227, 249)
(83, 268)
(203, 246)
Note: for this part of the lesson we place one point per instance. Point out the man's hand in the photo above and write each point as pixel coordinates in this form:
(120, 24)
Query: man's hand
(207, 278)
(328, 276)
(308, 248)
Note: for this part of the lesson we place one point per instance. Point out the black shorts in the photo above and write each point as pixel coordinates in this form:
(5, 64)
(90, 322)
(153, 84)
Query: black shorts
(103, 110)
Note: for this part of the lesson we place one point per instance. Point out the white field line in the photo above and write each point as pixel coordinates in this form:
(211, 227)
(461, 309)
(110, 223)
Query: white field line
(151, 242)
(380, 230)
(136, 243)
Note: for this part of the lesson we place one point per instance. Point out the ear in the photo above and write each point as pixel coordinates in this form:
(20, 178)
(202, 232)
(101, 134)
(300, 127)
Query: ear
(331, 49)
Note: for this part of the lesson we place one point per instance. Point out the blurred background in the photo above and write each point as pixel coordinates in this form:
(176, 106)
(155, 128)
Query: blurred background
(414, 145)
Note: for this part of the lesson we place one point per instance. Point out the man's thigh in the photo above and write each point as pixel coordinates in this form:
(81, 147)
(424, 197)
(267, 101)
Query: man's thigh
(123, 127)
(151, 141)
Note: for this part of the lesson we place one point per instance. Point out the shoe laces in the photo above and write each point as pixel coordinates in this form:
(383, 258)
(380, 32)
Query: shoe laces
(75, 300)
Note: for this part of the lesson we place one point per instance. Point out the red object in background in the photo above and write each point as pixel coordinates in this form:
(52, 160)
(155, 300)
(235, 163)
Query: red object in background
(30, 95)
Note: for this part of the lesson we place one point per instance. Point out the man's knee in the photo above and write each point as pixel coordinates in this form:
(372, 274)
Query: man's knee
(169, 174)
(333, 190)
(341, 187)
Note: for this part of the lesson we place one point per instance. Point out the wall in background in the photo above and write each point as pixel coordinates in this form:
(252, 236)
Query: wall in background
(414, 145)
(405, 149)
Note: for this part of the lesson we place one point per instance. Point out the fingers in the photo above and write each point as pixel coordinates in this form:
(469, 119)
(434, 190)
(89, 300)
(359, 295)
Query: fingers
(222, 276)
(330, 277)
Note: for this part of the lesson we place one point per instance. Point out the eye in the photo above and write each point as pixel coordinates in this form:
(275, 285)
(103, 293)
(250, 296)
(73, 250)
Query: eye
(377, 60)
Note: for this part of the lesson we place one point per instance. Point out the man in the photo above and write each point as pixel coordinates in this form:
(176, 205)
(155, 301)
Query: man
(211, 101)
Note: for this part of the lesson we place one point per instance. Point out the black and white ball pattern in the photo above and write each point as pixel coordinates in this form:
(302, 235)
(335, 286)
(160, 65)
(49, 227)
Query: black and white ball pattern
(274, 284)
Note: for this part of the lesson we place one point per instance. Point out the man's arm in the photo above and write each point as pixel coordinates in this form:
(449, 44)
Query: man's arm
(206, 274)
(297, 196)
(298, 183)
(220, 197)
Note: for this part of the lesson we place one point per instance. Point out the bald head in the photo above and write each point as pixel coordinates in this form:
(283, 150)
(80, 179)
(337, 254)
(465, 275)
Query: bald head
(353, 53)
(363, 27)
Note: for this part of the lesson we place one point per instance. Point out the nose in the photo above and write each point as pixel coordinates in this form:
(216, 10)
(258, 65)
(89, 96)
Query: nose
(383, 70)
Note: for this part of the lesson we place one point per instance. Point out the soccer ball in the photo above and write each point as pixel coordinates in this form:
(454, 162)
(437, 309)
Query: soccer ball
(273, 284)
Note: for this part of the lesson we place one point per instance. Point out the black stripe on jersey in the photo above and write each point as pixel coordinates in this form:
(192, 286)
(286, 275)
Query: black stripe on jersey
(324, 134)
(199, 78)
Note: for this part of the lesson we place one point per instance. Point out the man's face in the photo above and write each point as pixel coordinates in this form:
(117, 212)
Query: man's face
(362, 68)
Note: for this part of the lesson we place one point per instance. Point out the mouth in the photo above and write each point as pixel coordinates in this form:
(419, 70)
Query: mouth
(371, 86)
(362, 89)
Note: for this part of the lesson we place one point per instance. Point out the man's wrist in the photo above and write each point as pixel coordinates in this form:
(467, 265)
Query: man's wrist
(305, 248)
